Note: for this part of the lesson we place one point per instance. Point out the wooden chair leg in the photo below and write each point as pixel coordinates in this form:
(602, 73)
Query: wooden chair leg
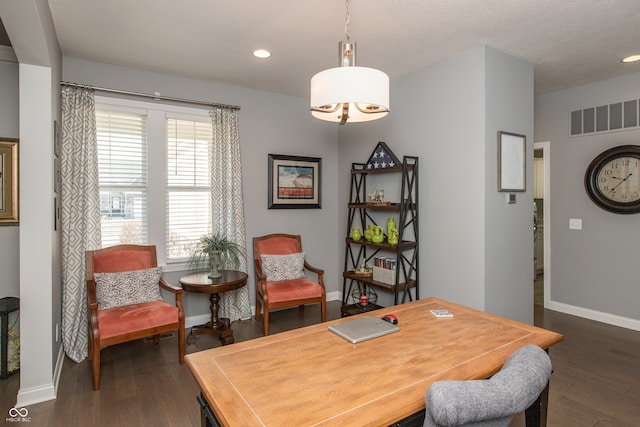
(323, 310)
(90, 347)
(266, 321)
(96, 369)
(156, 339)
(258, 307)
(181, 345)
(301, 309)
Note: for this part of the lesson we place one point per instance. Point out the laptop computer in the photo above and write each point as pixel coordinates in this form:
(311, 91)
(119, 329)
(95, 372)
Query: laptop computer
(362, 329)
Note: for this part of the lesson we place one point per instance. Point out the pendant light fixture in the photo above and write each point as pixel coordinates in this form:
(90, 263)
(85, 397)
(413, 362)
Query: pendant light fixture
(349, 93)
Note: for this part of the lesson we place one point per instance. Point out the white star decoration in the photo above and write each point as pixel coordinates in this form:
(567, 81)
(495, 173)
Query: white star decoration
(381, 158)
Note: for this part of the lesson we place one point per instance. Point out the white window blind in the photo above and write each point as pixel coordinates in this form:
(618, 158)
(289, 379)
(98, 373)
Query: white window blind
(188, 185)
(122, 164)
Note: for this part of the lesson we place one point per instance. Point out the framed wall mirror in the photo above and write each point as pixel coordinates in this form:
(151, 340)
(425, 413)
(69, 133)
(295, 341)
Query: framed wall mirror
(511, 162)
(9, 181)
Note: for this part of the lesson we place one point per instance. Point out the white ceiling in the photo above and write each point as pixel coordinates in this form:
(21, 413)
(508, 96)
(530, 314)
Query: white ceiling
(570, 42)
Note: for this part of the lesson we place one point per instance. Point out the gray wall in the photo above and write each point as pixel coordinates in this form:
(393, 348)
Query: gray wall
(508, 228)
(9, 128)
(269, 123)
(474, 248)
(31, 31)
(594, 271)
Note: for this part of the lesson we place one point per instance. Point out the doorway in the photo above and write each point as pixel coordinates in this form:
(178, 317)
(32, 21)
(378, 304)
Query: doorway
(541, 236)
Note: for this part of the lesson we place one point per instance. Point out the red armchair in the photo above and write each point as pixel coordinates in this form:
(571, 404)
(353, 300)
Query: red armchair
(279, 266)
(113, 319)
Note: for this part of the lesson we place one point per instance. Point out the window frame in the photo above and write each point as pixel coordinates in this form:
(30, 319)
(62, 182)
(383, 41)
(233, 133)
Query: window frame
(157, 113)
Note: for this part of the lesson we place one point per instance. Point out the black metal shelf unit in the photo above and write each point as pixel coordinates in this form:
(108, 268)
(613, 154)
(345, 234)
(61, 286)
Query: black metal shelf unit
(361, 213)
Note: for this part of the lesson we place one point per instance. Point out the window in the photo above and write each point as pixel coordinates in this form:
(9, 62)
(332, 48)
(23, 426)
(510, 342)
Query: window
(155, 186)
(188, 195)
(122, 165)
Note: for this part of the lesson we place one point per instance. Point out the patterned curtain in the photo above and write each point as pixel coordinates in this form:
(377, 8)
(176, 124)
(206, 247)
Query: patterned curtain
(227, 201)
(79, 214)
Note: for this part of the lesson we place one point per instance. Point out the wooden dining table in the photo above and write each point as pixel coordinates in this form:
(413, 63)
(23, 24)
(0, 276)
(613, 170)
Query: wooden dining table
(312, 377)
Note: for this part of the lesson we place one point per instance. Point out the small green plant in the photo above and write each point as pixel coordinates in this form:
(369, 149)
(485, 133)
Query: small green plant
(215, 251)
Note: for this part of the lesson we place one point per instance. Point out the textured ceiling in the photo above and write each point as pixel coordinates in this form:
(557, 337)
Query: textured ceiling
(570, 42)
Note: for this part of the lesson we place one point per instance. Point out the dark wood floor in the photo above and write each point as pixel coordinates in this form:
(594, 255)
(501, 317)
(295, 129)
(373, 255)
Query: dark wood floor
(595, 380)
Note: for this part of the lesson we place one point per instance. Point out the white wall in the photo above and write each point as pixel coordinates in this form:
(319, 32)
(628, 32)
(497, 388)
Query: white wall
(269, 123)
(594, 271)
(439, 114)
(9, 128)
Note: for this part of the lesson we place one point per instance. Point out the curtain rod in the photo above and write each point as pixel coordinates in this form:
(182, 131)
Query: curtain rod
(156, 97)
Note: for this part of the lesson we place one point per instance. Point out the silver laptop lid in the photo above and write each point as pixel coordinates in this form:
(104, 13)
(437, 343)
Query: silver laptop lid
(362, 329)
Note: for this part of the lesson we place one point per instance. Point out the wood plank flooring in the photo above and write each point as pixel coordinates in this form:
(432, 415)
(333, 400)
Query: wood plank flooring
(595, 379)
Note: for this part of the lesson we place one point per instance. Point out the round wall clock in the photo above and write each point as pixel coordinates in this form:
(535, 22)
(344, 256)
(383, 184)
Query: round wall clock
(612, 179)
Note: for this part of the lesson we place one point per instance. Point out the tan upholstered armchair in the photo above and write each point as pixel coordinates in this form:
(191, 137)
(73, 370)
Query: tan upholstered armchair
(123, 290)
(280, 282)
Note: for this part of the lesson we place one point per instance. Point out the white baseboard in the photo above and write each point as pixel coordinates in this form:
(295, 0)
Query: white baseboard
(598, 316)
(334, 296)
(200, 319)
(31, 396)
(44, 392)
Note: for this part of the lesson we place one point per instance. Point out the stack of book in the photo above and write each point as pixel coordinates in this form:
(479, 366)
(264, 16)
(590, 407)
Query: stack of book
(384, 270)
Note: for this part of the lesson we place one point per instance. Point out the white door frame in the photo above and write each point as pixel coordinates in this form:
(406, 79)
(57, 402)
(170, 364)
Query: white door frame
(546, 220)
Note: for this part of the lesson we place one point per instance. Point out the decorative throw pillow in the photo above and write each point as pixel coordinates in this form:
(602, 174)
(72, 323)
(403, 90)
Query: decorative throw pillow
(127, 287)
(283, 267)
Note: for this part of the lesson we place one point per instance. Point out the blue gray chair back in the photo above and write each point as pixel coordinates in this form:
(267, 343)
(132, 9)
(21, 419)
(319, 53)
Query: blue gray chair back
(492, 402)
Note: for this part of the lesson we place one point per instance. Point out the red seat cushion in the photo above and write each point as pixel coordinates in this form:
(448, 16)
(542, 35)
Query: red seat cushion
(133, 318)
(286, 290)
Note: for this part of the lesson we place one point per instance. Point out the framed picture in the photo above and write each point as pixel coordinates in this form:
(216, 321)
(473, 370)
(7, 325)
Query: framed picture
(294, 182)
(511, 162)
(9, 181)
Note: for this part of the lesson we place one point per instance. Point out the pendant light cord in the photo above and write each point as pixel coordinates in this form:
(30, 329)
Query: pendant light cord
(346, 22)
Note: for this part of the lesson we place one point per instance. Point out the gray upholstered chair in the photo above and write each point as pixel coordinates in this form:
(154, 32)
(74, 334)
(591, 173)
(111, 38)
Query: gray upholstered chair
(492, 402)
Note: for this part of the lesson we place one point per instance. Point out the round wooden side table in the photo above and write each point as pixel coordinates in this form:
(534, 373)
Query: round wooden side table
(201, 283)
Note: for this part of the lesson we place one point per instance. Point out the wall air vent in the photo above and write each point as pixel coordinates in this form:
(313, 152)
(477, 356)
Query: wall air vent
(623, 115)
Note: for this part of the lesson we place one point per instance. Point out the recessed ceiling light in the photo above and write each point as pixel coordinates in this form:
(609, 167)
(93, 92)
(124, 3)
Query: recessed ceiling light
(261, 53)
(632, 58)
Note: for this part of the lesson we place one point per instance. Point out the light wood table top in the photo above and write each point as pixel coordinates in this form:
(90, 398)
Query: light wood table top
(310, 376)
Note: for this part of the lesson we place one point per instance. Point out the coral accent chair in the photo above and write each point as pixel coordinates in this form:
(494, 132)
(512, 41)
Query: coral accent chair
(287, 292)
(125, 323)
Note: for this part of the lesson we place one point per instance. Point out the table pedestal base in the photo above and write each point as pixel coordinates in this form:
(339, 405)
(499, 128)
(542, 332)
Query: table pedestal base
(219, 327)
(222, 329)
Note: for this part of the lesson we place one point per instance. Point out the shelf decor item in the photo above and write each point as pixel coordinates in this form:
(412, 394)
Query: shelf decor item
(365, 298)
(382, 158)
(378, 235)
(391, 225)
(392, 237)
(355, 233)
(10, 336)
(368, 232)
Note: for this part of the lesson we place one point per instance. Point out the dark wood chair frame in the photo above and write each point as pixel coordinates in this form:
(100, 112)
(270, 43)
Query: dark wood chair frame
(262, 298)
(96, 344)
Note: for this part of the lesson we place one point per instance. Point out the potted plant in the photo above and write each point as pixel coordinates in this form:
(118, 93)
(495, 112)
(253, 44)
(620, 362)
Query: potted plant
(215, 250)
